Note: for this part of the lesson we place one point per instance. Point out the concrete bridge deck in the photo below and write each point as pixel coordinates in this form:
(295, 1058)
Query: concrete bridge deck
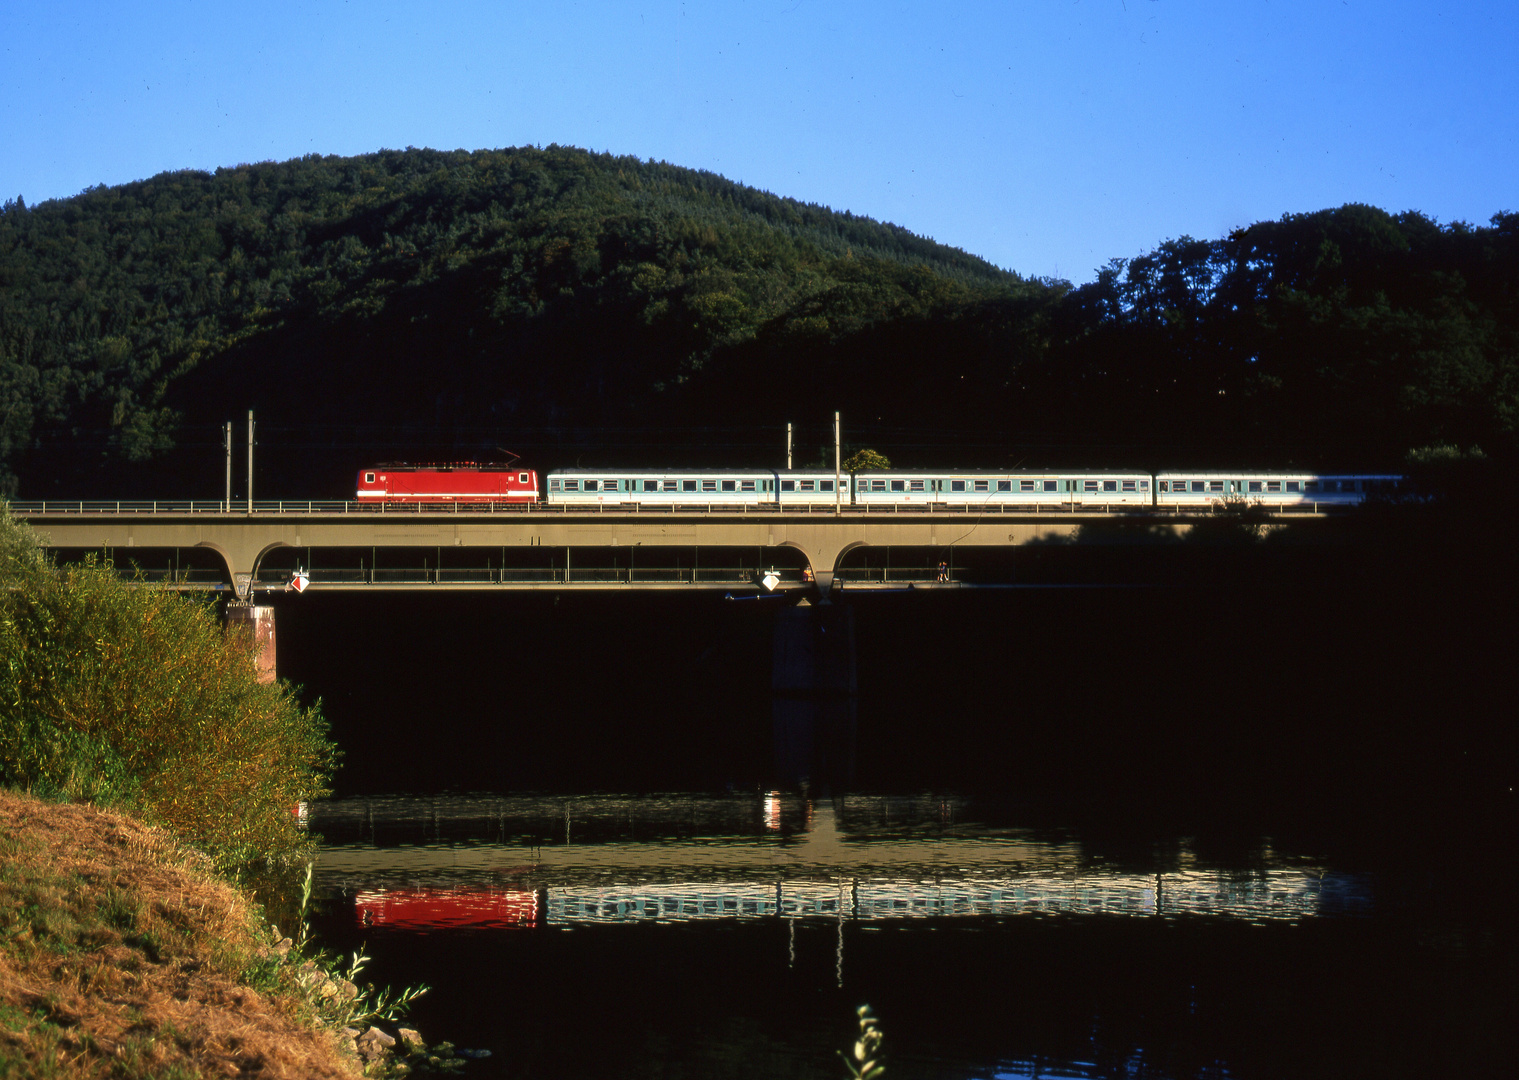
(241, 538)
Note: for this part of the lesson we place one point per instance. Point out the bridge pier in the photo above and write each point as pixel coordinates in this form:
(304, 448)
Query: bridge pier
(243, 617)
(814, 693)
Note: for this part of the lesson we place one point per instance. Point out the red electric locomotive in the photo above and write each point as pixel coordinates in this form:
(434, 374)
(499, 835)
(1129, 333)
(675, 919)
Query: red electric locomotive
(462, 482)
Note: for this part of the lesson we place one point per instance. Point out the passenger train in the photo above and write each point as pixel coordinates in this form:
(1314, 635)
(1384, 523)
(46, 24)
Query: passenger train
(484, 484)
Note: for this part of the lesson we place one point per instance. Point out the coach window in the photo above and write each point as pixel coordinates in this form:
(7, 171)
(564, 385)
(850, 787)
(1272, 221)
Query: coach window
(806, 485)
(1273, 485)
(553, 485)
(1255, 485)
(670, 485)
(825, 485)
(1025, 485)
(1050, 485)
(1199, 486)
(1089, 485)
(788, 485)
(980, 485)
(899, 485)
(609, 485)
(746, 485)
(1292, 485)
(880, 485)
(1110, 485)
(590, 485)
(1165, 485)
(572, 485)
(957, 485)
(1128, 485)
(914, 485)
(1215, 485)
(709, 485)
(1144, 485)
(688, 485)
(730, 485)
(1310, 485)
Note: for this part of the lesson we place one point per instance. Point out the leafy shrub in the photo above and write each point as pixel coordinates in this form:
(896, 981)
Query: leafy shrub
(133, 696)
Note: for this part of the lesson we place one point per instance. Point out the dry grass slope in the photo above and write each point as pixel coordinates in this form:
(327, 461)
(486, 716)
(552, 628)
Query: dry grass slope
(122, 955)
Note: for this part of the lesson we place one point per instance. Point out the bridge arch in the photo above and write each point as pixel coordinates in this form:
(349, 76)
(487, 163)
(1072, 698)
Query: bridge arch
(242, 562)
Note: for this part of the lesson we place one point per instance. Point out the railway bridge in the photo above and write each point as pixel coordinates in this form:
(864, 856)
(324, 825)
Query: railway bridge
(347, 545)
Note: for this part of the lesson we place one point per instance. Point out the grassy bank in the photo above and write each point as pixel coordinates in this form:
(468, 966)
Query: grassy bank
(123, 954)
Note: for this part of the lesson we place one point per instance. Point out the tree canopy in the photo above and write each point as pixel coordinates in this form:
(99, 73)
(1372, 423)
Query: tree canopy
(575, 306)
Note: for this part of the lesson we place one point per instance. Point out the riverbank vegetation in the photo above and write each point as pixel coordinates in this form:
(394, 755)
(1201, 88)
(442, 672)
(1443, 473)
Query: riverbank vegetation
(572, 306)
(134, 698)
(124, 954)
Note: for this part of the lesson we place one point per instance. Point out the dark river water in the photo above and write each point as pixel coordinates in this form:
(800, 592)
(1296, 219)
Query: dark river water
(1142, 832)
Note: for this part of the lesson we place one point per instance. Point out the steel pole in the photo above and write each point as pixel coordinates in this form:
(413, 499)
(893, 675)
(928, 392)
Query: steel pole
(250, 461)
(836, 468)
(227, 440)
(788, 447)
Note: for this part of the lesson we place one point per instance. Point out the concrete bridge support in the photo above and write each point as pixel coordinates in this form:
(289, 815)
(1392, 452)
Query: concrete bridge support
(814, 695)
(258, 622)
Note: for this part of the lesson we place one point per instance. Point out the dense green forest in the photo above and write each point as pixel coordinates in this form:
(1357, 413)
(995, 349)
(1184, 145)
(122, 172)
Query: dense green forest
(578, 307)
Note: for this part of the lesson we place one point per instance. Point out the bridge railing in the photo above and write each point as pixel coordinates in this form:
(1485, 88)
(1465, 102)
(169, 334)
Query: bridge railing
(338, 506)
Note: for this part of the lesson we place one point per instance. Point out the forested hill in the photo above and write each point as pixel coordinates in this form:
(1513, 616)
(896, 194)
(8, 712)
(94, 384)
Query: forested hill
(580, 307)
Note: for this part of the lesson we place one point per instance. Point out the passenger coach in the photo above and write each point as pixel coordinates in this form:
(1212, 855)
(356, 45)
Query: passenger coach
(1268, 489)
(651, 487)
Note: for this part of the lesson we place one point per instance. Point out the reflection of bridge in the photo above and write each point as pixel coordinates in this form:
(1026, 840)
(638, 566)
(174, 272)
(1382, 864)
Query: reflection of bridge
(518, 547)
(838, 863)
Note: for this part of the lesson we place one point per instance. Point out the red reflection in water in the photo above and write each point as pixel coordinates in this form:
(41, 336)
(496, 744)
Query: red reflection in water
(425, 908)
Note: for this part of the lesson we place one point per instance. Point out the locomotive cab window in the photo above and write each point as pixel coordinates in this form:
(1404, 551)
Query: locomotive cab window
(369, 478)
(522, 478)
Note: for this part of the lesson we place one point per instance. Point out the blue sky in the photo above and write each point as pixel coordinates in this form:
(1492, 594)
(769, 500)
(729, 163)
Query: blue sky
(1047, 136)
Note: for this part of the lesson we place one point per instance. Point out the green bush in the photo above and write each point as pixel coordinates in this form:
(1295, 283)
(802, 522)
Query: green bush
(132, 696)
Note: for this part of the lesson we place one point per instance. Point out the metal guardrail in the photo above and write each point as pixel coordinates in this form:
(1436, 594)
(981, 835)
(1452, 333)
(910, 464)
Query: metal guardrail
(368, 509)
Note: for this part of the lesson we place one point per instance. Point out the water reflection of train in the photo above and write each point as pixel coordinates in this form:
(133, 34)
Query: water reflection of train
(868, 859)
(482, 484)
(1278, 895)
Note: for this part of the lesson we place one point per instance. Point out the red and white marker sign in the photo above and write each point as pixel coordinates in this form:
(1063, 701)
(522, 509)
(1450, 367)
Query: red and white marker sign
(299, 582)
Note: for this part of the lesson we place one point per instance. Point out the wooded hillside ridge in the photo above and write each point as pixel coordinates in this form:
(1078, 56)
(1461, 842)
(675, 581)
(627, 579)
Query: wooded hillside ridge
(587, 308)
